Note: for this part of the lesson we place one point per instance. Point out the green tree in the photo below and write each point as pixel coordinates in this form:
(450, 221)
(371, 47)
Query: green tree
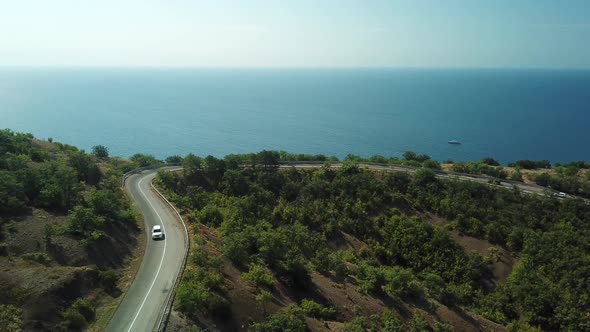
(15, 162)
(59, 188)
(490, 161)
(316, 310)
(143, 160)
(79, 314)
(86, 169)
(83, 221)
(191, 297)
(192, 162)
(106, 203)
(213, 168)
(210, 215)
(100, 151)
(402, 283)
(234, 183)
(409, 155)
(12, 195)
(176, 159)
(259, 276)
(268, 159)
(282, 322)
(264, 297)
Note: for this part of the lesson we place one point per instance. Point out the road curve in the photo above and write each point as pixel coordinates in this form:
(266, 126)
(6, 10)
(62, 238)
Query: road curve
(146, 299)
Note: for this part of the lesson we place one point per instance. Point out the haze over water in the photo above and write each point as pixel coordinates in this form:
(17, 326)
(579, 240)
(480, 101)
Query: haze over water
(506, 114)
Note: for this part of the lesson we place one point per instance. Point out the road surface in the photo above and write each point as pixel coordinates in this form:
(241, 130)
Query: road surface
(523, 187)
(143, 305)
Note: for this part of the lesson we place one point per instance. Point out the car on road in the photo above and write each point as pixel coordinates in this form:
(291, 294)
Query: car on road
(157, 233)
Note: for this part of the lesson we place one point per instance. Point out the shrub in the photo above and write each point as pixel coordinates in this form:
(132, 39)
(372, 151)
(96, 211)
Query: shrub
(85, 308)
(78, 315)
(387, 321)
(39, 257)
(531, 164)
(326, 261)
(434, 285)
(12, 198)
(490, 161)
(108, 279)
(443, 327)
(202, 258)
(208, 277)
(401, 283)
(259, 276)
(191, 296)
(10, 318)
(370, 278)
(210, 215)
(432, 164)
(83, 220)
(417, 323)
(316, 310)
(100, 151)
(287, 322)
(74, 320)
(264, 297)
(142, 160)
(176, 159)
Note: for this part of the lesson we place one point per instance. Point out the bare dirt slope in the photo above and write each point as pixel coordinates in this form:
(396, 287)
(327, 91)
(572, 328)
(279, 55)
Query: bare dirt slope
(342, 294)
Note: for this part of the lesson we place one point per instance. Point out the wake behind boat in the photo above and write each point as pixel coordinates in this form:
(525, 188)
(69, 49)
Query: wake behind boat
(454, 142)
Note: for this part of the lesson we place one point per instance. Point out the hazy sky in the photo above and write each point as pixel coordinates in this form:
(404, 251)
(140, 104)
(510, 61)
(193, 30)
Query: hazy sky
(301, 33)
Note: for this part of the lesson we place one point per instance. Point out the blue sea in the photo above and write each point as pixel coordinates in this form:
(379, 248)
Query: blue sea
(506, 114)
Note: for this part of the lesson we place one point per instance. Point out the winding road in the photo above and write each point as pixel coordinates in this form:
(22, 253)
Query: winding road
(143, 306)
(525, 188)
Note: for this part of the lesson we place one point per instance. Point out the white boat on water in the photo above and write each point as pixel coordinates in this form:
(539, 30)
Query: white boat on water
(454, 141)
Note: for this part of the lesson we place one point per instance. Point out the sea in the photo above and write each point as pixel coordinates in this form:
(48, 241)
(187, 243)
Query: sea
(505, 114)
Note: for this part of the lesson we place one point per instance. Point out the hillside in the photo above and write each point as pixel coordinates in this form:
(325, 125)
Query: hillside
(351, 249)
(67, 234)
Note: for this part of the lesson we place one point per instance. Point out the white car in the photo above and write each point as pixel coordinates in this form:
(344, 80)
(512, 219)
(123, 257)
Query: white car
(157, 233)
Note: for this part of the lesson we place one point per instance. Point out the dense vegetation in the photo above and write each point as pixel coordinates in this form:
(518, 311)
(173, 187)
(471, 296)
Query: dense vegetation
(79, 188)
(278, 224)
(567, 178)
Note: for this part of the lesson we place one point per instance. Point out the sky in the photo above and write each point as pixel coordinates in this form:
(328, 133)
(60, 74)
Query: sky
(298, 33)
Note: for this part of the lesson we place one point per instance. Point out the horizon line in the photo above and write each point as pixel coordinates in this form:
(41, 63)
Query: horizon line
(196, 67)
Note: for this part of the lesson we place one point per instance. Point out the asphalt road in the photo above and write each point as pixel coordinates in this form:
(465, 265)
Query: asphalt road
(145, 301)
(523, 187)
